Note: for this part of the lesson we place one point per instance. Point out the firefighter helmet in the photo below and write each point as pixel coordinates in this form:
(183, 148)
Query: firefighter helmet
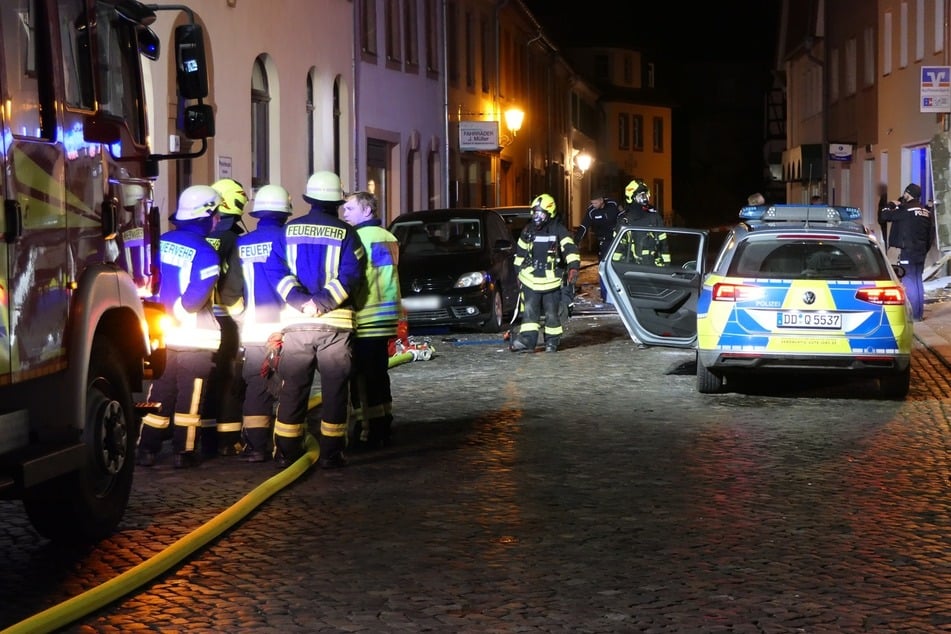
(132, 194)
(271, 199)
(197, 201)
(325, 187)
(637, 191)
(543, 209)
(233, 197)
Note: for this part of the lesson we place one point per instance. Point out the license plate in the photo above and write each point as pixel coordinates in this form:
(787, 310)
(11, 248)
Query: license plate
(809, 319)
(423, 302)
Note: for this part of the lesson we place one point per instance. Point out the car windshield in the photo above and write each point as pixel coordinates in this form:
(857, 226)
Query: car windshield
(808, 259)
(439, 236)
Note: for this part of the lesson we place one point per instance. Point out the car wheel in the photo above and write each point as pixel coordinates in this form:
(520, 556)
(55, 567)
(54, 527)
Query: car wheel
(707, 381)
(494, 322)
(895, 386)
(88, 504)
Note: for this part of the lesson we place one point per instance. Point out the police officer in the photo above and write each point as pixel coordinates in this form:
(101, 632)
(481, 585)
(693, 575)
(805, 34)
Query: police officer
(189, 269)
(377, 317)
(545, 250)
(261, 319)
(600, 219)
(316, 265)
(225, 437)
(912, 232)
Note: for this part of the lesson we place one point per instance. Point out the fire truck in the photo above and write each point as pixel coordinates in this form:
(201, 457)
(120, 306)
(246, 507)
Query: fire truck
(79, 334)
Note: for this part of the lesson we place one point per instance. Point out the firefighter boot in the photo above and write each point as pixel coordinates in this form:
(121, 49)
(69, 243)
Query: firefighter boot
(229, 443)
(256, 448)
(551, 344)
(331, 452)
(379, 433)
(287, 451)
(184, 433)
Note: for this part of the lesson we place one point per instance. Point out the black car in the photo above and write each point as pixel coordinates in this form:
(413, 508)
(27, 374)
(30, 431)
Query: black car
(516, 217)
(456, 268)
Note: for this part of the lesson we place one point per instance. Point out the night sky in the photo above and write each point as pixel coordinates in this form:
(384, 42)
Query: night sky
(723, 31)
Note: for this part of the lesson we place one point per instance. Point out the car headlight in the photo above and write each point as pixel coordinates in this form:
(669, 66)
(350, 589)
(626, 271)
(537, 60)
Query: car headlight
(468, 280)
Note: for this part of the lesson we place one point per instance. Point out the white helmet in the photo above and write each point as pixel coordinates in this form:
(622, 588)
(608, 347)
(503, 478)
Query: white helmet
(271, 199)
(132, 193)
(197, 201)
(324, 187)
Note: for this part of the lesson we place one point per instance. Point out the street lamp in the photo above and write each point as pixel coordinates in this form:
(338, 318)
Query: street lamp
(583, 161)
(513, 120)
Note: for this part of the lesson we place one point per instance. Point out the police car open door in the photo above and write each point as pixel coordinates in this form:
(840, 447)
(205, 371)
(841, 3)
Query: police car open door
(653, 275)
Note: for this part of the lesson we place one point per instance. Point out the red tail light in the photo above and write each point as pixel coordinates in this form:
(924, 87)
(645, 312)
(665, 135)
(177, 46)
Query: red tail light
(723, 292)
(884, 295)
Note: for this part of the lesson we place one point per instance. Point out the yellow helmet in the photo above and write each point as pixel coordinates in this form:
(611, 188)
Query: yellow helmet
(637, 191)
(546, 203)
(233, 196)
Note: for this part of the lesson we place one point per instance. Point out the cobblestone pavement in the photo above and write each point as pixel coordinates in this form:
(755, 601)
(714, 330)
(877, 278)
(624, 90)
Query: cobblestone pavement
(592, 490)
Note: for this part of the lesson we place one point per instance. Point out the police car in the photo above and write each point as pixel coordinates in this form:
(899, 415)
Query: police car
(796, 289)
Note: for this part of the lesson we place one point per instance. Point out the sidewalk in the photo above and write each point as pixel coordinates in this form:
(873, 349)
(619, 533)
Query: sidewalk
(935, 331)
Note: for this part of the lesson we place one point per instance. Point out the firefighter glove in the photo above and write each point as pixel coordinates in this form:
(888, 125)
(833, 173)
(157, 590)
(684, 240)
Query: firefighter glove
(272, 354)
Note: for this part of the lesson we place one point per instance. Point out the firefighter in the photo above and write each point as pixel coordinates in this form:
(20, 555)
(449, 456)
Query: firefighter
(545, 251)
(189, 270)
(261, 320)
(316, 265)
(379, 310)
(650, 247)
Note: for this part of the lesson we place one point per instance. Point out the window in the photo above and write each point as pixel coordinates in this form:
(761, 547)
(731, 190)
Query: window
(657, 194)
(452, 42)
(628, 70)
(432, 195)
(432, 36)
(310, 123)
(368, 29)
(658, 123)
(392, 17)
(887, 43)
(486, 32)
(77, 63)
(834, 75)
(469, 42)
(410, 35)
(868, 57)
(919, 30)
(260, 139)
(411, 157)
(31, 114)
(637, 133)
(623, 131)
(938, 25)
(903, 35)
(851, 64)
(601, 67)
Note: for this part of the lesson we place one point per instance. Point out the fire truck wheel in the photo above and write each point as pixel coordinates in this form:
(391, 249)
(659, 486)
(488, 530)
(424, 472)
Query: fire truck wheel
(87, 505)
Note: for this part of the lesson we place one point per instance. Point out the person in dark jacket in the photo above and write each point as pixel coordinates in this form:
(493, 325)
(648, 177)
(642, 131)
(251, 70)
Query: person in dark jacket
(913, 232)
(317, 267)
(599, 220)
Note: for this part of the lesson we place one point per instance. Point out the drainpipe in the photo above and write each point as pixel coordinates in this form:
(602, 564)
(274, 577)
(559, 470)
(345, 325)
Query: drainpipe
(499, 5)
(445, 99)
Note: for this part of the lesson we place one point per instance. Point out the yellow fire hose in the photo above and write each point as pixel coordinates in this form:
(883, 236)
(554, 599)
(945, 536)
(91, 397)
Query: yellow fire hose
(75, 608)
(72, 609)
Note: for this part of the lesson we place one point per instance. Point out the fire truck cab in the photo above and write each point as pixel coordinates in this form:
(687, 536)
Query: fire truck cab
(78, 250)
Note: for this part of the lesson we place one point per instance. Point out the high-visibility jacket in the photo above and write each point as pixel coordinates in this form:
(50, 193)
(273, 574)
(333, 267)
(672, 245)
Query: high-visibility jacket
(317, 257)
(262, 304)
(378, 301)
(189, 272)
(543, 255)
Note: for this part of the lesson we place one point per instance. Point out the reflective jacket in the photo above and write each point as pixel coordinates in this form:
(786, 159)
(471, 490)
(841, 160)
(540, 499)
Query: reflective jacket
(543, 255)
(378, 301)
(262, 304)
(317, 257)
(189, 272)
